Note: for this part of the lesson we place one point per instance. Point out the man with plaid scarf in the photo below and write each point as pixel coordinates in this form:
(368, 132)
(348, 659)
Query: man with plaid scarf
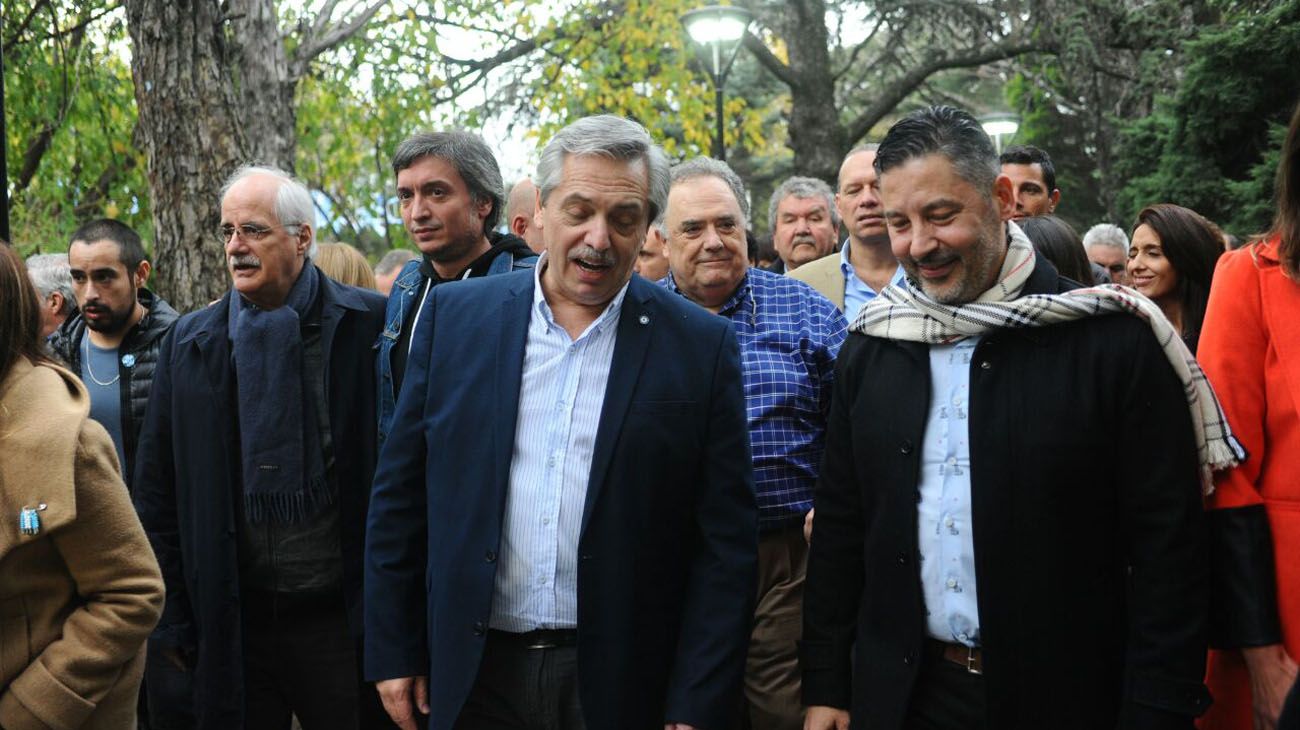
(978, 559)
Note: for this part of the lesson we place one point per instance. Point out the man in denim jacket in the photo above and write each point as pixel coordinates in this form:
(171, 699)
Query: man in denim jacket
(450, 195)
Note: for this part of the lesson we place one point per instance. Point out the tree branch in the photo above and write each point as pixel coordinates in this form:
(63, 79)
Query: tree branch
(768, 60)
(335, 34)
(912, 80)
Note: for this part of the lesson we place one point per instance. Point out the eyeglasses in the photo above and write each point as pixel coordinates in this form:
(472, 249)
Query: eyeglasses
(247, 231)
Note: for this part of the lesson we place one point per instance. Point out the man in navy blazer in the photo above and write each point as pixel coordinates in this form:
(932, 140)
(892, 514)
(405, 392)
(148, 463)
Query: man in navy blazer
(563, 528)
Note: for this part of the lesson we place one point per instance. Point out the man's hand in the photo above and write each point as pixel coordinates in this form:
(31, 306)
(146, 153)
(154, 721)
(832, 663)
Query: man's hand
(1272, 673)
(826, 718)
(401, 696)
(807, 526)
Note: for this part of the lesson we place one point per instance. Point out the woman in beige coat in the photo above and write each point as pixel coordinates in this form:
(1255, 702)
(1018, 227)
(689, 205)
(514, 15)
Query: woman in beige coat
(79, 586)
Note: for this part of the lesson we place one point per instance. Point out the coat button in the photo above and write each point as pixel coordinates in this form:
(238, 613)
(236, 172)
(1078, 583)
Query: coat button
(586, 556)
(902, 558)
(490, 556)
(905, 447)
(986, 365)
(480, 628)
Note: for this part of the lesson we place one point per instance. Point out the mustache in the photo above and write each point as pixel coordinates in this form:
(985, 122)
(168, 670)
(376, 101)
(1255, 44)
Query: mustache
(592, 256)
(803, 238)
(247, 259)
(935, 259)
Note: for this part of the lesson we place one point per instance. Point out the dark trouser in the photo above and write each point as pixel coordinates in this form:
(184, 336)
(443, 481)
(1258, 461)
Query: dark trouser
(772, 667)
(946, 696)
(300, 659)
(170, 692)
(523, 688)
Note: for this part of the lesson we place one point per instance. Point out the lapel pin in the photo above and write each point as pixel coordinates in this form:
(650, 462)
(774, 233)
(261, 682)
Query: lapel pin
(645, 319)
(29, 519)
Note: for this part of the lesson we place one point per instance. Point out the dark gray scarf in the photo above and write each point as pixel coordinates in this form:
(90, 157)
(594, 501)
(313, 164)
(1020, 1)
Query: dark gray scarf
(279, 436)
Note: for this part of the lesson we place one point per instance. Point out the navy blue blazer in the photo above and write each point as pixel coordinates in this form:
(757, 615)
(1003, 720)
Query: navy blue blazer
(668, 550)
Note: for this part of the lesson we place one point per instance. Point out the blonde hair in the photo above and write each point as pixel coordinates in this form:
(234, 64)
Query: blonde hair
(345, 264)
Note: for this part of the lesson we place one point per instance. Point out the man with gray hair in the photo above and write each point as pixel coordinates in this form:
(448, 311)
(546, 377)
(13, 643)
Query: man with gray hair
(449, 195)
(562, 530)
(389, 266)
(253, 475)
(53, 281)
(804, 222)
(789, 336)
(1107, 247)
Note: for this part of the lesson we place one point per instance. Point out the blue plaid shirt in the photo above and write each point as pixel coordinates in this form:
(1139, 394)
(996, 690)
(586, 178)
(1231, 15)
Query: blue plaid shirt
(789, 336)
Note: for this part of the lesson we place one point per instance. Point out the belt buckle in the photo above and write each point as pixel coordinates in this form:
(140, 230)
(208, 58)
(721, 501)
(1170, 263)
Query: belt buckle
(543, 643)
(971, 661)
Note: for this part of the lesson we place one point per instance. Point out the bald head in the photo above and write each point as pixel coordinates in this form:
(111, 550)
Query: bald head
(519, 214)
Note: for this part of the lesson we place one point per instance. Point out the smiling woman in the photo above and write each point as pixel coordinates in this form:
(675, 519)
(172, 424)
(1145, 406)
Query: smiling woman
(1171, 260)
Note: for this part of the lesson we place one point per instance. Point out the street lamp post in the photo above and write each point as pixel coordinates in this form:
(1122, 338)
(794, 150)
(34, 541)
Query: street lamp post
(720, 28)
(998, 126)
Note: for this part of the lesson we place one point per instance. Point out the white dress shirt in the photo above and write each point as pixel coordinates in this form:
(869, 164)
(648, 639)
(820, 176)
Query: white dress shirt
(944, 512)
(561, 395)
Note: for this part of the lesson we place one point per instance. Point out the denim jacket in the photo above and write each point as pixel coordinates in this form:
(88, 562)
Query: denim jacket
(405, 294)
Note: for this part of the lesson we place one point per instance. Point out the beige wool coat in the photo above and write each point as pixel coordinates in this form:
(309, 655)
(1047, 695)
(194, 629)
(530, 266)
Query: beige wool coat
(79, 597)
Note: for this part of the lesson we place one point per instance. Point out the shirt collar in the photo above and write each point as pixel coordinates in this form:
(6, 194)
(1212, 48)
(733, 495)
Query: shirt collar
(743, 293)
(543, 309)
(899, 278)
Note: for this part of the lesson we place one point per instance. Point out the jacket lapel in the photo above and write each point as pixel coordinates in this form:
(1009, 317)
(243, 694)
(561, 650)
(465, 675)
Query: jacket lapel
(635, 324)
(515, 315)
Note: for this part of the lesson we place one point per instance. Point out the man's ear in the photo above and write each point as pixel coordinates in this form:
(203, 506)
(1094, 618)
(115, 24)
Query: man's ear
(304, 238)
(142, 274)
(1053, 200)
(1004, 196)
(519, 225)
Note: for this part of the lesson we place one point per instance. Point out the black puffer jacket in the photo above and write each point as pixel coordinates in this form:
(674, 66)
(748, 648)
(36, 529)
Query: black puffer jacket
(138, 354)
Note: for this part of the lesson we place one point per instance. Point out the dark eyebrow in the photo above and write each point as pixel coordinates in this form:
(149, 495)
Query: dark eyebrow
(942, 203)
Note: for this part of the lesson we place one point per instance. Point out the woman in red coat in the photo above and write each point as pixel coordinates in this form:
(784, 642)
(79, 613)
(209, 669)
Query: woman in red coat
(1250, 349)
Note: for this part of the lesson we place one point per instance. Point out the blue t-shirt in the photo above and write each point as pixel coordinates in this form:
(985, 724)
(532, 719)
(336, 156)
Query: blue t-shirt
(99, 371)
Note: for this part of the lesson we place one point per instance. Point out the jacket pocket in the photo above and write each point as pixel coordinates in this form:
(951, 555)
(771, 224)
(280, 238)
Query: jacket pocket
(15, 644)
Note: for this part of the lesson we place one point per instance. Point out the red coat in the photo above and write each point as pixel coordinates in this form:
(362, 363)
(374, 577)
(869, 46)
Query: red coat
(1250, 349)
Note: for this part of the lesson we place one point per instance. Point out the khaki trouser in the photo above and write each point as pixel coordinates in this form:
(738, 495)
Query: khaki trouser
(772, 667)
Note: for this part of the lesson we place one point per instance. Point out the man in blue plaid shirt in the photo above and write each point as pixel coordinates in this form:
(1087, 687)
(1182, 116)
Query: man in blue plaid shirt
(789, 336)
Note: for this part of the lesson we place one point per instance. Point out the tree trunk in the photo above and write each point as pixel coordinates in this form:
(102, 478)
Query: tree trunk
(266, 89)
(816, 134)
(190, 131)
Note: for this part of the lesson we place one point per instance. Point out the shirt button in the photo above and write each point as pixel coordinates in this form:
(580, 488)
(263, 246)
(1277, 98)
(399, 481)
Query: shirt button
(952, 461)
(550, 462)
(956, 401)
(948, 522)
(963, 637)
(546, 520)
(952, 582)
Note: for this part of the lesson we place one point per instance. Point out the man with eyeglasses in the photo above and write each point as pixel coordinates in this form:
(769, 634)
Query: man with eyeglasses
(450, 197)
(253, 476)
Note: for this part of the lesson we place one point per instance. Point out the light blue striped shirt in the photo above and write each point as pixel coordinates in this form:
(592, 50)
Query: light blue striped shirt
(560, 398)
(858, 292)
(944, 513)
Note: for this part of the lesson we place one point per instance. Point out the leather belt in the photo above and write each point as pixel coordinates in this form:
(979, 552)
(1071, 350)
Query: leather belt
(538, 639)
(969, 658)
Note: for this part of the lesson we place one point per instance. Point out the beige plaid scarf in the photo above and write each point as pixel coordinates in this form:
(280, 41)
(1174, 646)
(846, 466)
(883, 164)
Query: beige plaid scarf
(908, 314)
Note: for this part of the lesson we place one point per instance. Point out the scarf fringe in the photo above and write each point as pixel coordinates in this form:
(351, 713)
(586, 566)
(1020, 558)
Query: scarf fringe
(288, 508)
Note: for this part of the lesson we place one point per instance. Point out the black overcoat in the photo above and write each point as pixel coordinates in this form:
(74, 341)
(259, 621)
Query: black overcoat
(187, 481)
(1089, 537)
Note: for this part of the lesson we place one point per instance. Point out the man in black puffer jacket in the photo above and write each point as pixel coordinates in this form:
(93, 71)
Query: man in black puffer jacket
(112, 343)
